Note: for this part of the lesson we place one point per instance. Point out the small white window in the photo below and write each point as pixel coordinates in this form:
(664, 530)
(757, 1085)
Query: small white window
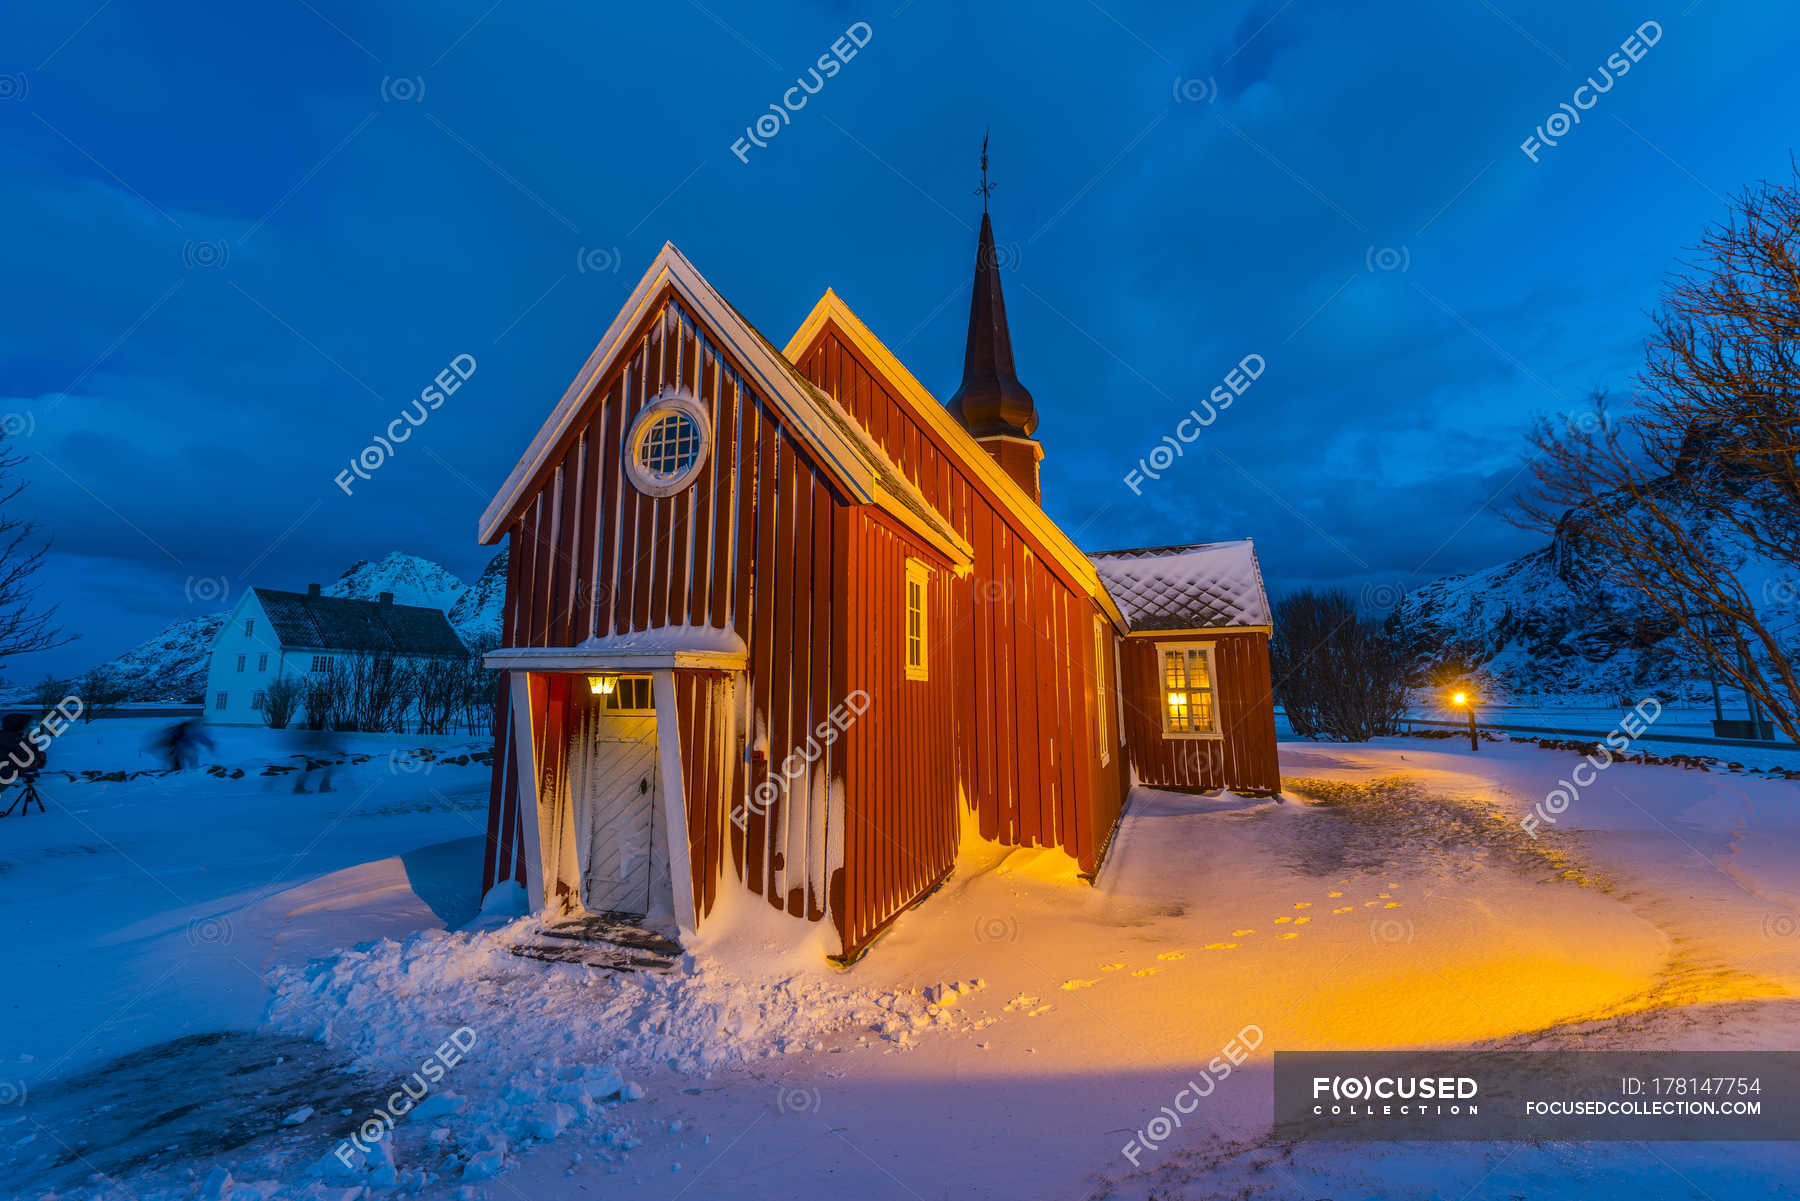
(219, 701)
(240, 663)
(262, 662)
(918, 577)
(630, 694)
(1190, 708)
(667, 445)
(249, 626)
(1101, 703)
(321, 663)
(258, 699)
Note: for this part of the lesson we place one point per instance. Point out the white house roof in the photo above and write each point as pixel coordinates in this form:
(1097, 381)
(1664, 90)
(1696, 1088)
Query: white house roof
(1212, 585)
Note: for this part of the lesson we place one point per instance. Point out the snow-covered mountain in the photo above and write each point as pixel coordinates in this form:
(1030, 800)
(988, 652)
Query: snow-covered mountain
(1547, 625)
(412, 580)
(476, 614)
(172, 665)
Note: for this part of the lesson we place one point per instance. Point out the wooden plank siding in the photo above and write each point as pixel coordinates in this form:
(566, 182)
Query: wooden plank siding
(1020, 750)
(748, 548)
(896, 770)
(1244, 758)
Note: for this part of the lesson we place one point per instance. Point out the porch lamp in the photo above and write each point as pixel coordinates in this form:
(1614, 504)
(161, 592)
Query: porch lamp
(603, 683)
(1461, 701)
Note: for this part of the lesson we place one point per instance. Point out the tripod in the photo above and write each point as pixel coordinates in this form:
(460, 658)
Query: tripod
(28, 796)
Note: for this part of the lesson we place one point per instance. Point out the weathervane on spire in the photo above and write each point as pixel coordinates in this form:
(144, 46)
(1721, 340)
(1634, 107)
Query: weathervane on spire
(986, 189)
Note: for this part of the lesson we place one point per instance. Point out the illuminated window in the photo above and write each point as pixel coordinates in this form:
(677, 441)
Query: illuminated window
(1100, 702)
(668, 443)
(630, 695)
(1190, 707)
(917, 576)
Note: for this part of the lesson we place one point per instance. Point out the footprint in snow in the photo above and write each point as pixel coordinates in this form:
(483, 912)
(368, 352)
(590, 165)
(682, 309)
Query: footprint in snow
(1370, 904)
(1345, 909)
(1072, 985)
(1221, 946)
(1111, 967)
(1145, 971)
(1334, 894)
(1289, 934)
(1302, 904)
(1173, 955)
(1040, 1009)
(1392, 905)
(1020, 1002)
(1280, 920)
(1241, 933)
(1301, 921)
(1384, 895)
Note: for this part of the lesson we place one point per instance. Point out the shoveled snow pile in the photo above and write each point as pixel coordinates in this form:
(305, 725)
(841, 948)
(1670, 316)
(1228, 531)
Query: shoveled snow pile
(389, 1003)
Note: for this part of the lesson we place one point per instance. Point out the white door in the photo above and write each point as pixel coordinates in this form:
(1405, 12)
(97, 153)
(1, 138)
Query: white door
(612, 787)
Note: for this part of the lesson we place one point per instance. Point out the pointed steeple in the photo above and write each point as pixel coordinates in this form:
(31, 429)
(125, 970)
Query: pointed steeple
(991, 399)
(991, 403)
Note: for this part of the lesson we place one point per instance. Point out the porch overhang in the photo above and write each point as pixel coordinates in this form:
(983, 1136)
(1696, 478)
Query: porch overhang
(654, 650)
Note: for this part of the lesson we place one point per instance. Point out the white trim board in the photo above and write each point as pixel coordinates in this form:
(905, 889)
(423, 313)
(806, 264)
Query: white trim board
(837, 441)
(968, 452)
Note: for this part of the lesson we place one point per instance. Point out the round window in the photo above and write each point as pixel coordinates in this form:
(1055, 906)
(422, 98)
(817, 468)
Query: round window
(668, 445)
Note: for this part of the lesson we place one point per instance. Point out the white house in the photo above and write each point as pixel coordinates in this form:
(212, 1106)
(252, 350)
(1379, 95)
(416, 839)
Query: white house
(270, 633)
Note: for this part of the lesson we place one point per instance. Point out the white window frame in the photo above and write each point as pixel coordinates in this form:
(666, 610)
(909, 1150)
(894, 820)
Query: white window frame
(240, 662)
(262, 661)
(1212, 674)
(1101, 700)
(249, 626)
(220, 702)
(618, 694)
(918, 574)
(674, 400)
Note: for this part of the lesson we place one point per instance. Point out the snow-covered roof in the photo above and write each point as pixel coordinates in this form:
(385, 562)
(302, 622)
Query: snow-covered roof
(302, 620)
(1211, 585)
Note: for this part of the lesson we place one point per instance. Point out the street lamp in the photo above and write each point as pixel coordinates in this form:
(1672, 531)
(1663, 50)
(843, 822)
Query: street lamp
(1461, 701)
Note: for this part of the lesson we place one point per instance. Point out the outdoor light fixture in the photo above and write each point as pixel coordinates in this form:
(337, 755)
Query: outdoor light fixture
(603, 684)
(1461, 700)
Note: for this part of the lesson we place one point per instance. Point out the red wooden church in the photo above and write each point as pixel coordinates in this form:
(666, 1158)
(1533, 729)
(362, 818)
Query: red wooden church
(778, 621)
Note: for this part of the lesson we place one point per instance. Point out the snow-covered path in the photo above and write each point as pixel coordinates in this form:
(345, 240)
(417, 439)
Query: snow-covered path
(1391, 899)
(1414, 912)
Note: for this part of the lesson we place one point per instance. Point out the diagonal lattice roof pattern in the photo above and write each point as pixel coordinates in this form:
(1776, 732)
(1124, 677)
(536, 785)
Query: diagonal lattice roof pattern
(1206, 586)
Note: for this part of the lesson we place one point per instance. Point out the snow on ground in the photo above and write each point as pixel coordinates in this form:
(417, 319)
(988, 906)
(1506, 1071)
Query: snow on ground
(1391, 898)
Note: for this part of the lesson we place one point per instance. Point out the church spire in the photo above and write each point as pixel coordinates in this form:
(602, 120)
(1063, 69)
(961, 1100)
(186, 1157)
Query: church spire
(991, 402)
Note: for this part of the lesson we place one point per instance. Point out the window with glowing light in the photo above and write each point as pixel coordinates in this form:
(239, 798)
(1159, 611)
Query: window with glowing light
(917, 576)
(1190, 703)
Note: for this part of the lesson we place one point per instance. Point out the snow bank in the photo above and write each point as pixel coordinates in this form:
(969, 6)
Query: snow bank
(389, 1003)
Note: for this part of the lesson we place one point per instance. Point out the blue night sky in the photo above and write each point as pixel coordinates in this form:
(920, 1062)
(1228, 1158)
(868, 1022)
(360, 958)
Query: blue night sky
(233, 254)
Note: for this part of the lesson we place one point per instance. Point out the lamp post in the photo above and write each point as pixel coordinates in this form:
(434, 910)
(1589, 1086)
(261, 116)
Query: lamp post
(1461, 701)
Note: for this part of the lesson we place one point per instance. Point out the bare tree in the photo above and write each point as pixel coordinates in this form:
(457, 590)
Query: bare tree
(371, 688)
(100, 694)
(50, 691)
(1339, 674)
(24, 624)
(1672, 500)
(281, 700)
(322, 700)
